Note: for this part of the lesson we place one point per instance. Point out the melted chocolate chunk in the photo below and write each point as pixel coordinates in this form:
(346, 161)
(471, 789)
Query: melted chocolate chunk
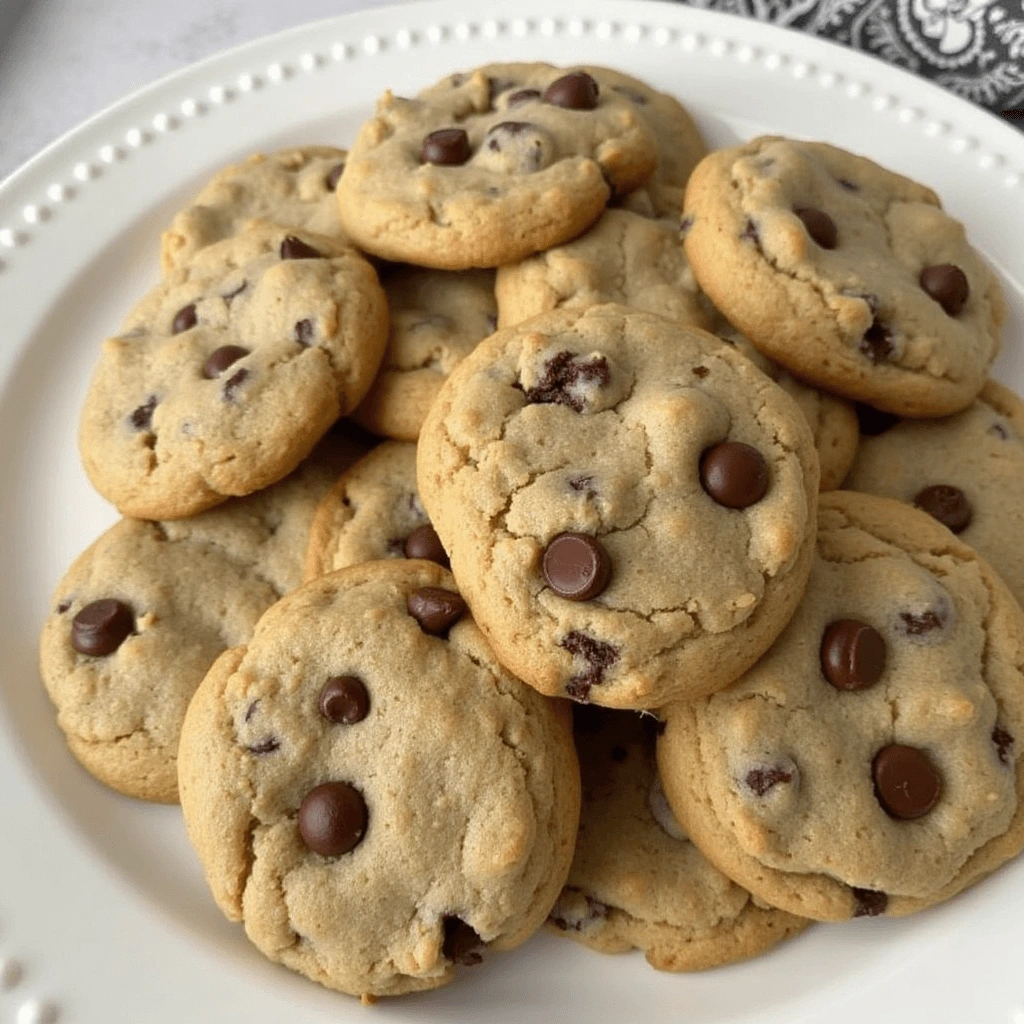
(267, 746)
(251, 710)
(304, 331)
(184, 319)
(762, 780)
(63, 607)
(598, 655)
(948, 504)
(701, 372)
(332, 179)
(1003, 741)
(948, 286)
(221, 358)
(915, 625)
(877, 342)
(582, 483)
(142, 417)
(233, 383)
(462, 944)
(561, 372)
(868, 902)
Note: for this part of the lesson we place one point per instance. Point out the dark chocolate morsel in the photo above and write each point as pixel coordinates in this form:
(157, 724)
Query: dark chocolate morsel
(332, 819)
(265, 746)
(877, 342)
(221, 358)
(101, 627)
(948, 286)
(234, 382)
(906, 782)
(142, 417)
(435, 609)
(561, 372)
(462, 945)
(293, 248)
(576, 566)
(947, 504)
(424, 542)
(447, 147)
(869, 902)
(575, 91)
(762, 780)
(820, 226)
(184, 319)
(852, 654)
(1003, 741)
(331, 181)
(596, 653)
(304, 331)
(874, 421)
(734, 474)
(344, 700)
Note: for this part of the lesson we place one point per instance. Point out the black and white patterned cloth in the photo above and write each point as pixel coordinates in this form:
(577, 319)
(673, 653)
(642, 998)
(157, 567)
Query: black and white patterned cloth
(974, 48)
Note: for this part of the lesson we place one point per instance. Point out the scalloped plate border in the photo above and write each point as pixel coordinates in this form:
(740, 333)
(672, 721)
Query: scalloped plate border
(61, 193)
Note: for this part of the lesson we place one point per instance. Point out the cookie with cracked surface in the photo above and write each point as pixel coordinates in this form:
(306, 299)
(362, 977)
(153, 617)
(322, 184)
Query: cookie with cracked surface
(373, 512)
(624, 257)
(226, 375)
(292, 187)
(437, 318)
(966, 470)
(370, 792)
(627, 503)
(636, 881)
(871, 762)
(847, 274)
(142, 614)
(484, 168)
(833, 420)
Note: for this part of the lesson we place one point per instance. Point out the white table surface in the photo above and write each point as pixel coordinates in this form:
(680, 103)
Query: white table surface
(63, 60)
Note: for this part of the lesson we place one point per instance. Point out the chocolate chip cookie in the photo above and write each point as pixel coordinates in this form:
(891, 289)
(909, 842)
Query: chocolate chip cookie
(847, 274)
(627, 503)
(292, 187)
(871, 763)
(967, 471)
(437, 318)
(370, 792)
(142, 614)
(373, 512)
(636, 880)
(225, 376)
(486, 168)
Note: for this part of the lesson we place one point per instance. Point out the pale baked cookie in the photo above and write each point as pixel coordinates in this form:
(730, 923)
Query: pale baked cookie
(143, 613)
(227, 373)
(833, 420)
(965, 470)
(481, 170)
(624, 257)
(292, 187)
(370, 792)
(636, 881)
(627, 503)
(373, 512)
(871, 762)
(437, 318)
(847, 274)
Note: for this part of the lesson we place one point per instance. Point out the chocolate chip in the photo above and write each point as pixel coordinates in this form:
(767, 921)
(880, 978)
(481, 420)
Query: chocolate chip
(906, 782)
(447, 147)
(734, 474)
(63, 606)
(877, 342)
(575, 91)
(293, 248)
(761, 781)
(701, 371)
(852, 654)
(874, 421)
(331, 181)
(344, 700)
(233, 383)
(435, 609)
(1003, 741)
(750, 233)
(184, 319)
(820, 226)
(101, 627)
(619, 754)
(142, 417)
(582, 483)
(304, 332)
(596, 653)
(251, 710)
(332, 819)
(575, 911)
(915, 625)
(267, 746)
(947, 504)
(424, 542)
(221, 358)
(868, 902)
(576, 566)
(462, 944)
(947, 285)
(522, 96)
(561, 372)
(850, 186)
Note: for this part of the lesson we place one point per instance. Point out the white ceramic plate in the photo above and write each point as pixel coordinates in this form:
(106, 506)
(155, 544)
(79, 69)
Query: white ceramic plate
(104, 916)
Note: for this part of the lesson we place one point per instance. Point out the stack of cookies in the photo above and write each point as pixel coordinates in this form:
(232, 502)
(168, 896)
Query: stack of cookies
(485, 562)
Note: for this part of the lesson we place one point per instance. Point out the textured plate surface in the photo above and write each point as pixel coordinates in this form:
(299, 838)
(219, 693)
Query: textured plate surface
(103, 912)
